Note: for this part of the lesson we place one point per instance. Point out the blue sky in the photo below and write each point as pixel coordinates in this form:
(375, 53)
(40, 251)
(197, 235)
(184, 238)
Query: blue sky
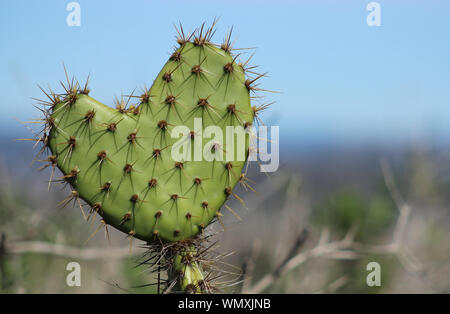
(341, 79)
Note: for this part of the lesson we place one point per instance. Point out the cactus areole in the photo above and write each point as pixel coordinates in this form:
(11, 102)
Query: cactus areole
(120, 160)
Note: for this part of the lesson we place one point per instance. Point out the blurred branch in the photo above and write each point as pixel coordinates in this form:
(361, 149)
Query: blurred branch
(257, 245)
(348, 248)
(335, 285)
(69, 252)
(299, 241)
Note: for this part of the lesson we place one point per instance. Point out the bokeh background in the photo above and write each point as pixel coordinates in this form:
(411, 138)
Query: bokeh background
(364, 142)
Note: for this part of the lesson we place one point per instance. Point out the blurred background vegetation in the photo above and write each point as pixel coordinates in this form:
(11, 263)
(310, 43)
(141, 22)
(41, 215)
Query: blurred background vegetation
(308, 200)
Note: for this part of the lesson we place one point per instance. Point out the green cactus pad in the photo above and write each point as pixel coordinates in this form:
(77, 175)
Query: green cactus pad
(120, 162)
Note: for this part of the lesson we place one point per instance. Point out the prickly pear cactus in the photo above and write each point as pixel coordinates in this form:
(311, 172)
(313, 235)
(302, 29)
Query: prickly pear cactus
(120, 160)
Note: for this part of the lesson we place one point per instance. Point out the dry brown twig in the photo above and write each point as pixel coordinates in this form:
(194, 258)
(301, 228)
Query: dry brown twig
(93, 253)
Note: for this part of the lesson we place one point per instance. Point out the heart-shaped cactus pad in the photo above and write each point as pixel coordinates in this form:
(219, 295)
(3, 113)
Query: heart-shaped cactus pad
(121, 161)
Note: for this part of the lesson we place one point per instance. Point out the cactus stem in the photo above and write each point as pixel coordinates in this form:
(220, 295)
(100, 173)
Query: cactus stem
(187, 272)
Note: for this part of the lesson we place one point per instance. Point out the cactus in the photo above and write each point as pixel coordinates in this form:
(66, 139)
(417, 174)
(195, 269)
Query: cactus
(119, 161)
